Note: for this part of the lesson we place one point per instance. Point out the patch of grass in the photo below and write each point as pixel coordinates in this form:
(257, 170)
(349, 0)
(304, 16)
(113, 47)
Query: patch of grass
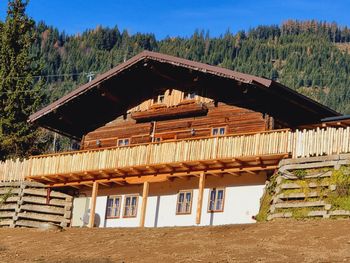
(340, 198)
(265, 201)
(5, 196)
(339, 202)
(299, 213)
(300, 173)
(292, 191)
(264, 208)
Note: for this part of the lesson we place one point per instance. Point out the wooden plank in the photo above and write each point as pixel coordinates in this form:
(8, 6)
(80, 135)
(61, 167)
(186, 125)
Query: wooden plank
(43, 192)
(6, 222)
(9, 190)
(42, 200)
(200, 198)
(11, 206)
(300, 204)
(144, 203)
(6, 214)
(36, 224)
(42, 217)
(93, 204)
(43, 209)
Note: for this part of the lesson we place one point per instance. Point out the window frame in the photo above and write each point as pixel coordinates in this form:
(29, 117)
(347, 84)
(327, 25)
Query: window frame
(177, 202)
(136, 206)
(219, 128)
(188, 94)
(160, 99)
(223, 200)
(124, 139)
(157, 139)
(119, 209)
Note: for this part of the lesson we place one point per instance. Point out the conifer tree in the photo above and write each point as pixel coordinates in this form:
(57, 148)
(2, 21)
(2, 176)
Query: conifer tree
(19, 95)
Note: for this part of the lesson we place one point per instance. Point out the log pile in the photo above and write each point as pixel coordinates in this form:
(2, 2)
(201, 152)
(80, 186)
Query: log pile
(29, 204)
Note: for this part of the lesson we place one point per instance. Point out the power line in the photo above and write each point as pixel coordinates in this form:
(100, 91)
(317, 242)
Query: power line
(57, 75)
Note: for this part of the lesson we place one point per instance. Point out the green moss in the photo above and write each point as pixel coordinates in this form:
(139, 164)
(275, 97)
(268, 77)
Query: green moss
(292, 191)
(266, 199)
(299, 213)
(339, 202)
(300, 173)
(264, 208)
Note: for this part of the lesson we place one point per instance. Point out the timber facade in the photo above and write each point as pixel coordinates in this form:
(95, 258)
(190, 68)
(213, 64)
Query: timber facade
(171, 142)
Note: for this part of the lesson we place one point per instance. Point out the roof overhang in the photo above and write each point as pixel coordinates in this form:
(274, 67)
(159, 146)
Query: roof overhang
(111, 94)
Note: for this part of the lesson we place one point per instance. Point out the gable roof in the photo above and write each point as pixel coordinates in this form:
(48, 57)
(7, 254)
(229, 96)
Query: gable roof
(66, 115)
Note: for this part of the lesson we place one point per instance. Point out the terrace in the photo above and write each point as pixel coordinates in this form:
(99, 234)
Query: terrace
(162, 161)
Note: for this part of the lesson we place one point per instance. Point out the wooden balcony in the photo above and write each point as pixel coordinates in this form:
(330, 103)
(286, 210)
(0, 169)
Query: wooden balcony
(156, 162)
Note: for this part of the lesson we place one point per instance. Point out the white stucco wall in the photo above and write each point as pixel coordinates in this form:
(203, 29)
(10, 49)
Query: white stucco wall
(240, 204)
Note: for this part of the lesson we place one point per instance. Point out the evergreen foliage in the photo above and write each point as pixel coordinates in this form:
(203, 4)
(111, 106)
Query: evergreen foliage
(18, 96)
(301, 55)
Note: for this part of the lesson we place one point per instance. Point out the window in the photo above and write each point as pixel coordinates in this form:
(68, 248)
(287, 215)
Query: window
(218, 131)
(184, 202)
(161, 99)
(130, 206)
(113, 206)
(157, 139)
(123, 142)
(190, 95)
(216, 200)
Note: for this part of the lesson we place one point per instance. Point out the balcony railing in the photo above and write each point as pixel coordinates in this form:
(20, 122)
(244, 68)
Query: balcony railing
(296, 144)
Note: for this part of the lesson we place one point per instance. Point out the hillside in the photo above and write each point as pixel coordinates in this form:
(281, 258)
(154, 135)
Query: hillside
(306, 56)
(283, 241)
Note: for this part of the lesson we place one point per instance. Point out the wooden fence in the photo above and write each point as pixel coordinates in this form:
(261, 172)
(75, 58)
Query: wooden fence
(304, 143)
(13, 170)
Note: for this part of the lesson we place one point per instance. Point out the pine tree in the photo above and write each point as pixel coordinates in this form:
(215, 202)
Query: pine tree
(19, 95)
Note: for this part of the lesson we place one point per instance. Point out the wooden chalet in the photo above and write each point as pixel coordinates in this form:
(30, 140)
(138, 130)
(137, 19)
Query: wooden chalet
(166, 141)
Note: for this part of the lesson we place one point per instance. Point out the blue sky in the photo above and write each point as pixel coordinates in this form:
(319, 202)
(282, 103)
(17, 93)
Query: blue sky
(180, 17)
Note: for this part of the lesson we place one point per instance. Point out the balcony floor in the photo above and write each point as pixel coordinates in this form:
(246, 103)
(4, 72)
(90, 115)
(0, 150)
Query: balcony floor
(164, 171)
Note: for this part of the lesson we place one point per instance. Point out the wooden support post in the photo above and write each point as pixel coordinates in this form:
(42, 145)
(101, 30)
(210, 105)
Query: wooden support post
(93, 204)
(200, 197)
(144, 203)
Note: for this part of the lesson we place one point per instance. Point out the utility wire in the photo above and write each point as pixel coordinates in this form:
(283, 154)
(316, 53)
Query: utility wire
(88, 74)
(57, 75)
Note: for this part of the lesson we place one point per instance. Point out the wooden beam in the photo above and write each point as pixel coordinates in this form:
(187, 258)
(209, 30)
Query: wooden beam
(240, 162)
(144, 203)
(169, 167)
(258, 159)
(251, 172)
(139, 179)
(200, 197)
(234, 173)
(120, 183)
(93, 204)
(106, 184)
(47, 179)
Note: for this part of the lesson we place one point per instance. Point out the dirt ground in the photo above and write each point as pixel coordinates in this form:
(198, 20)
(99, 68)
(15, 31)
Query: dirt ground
(283, 241)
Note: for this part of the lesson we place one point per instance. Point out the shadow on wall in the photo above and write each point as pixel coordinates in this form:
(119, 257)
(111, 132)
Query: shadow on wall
(157, 212)
(86, 218)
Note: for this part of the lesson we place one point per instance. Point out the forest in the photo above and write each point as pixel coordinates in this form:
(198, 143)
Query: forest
(39, 64)
(303, 55)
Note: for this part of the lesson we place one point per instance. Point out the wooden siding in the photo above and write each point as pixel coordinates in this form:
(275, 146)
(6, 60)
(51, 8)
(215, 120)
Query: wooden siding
(171, 98)
(235, 119)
